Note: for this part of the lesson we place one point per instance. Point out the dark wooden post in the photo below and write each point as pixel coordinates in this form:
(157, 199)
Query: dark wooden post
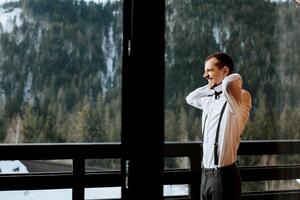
(143, 99)
(78, 171)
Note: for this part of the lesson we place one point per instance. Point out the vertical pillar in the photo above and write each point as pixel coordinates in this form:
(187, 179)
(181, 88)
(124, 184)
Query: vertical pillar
(143, 99)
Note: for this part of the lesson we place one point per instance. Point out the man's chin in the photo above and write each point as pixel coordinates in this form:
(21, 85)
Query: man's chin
(211, 86)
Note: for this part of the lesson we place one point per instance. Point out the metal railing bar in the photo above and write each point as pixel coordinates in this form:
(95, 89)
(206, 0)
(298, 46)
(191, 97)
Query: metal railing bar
(103, 180)
(54, 151)
(57, 181)
(182, 149)
(278, 195)
(262, 147)
(269, 147)
(107, 199)
(32, 182)
(179, 198)
(180, 177)
(114, 150)
(270, 173)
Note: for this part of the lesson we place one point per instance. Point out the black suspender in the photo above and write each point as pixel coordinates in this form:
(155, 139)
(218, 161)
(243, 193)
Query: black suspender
(204, 126)
(203, 132)
(216, 145)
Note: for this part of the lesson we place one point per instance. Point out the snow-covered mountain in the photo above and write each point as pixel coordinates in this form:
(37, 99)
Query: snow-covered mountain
(96, 1)
(9, 17)
(7, 1)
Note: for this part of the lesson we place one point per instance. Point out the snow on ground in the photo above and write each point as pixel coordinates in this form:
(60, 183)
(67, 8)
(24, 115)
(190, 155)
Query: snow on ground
(36, 195)
(12, 166)
(60, 194)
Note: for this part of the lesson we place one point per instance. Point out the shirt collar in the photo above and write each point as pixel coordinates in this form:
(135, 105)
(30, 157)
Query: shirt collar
(218, 88)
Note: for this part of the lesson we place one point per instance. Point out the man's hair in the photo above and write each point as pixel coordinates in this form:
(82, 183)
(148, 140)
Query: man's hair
(223, 59)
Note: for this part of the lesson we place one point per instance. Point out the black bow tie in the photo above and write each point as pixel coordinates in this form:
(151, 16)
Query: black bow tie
(217, 94)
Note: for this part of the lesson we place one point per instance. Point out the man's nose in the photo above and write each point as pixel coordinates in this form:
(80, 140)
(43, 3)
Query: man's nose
(205, 75)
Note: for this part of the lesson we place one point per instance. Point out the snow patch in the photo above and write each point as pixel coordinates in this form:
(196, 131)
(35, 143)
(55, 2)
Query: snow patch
(12, 166)
(9, 17)
(100, 1)
(109, 52)
(220, 34)
(7, 1)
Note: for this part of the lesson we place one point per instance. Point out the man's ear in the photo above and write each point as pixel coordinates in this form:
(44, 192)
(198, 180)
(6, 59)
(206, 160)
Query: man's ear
(226, 70)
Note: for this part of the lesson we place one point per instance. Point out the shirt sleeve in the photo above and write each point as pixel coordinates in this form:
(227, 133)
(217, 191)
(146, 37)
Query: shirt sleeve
(198, 97)
(233, 92)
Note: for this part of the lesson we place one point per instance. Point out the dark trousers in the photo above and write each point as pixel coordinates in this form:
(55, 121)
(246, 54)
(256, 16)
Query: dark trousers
(223, 183)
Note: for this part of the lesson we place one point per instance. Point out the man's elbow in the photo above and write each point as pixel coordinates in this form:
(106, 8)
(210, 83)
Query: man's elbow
(188, 100)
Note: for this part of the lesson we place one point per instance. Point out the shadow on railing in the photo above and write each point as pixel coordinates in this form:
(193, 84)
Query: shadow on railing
(79, 178)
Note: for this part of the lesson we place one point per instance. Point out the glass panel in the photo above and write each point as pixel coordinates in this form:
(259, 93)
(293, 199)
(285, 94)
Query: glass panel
(92, 165)
(268, 160)
(60, 72)
(61, 194)
(177, 163)
(262, 36)
(102, 193)
(259, 186)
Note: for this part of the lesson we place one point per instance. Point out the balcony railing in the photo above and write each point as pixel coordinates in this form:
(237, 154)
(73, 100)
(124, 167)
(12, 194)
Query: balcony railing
(78, 179)
(248, 173)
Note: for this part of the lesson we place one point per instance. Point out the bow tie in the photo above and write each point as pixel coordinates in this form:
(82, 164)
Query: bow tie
(217, 94)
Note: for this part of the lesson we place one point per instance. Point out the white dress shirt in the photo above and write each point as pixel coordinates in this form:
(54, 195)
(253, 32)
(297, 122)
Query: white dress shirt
(233, 121)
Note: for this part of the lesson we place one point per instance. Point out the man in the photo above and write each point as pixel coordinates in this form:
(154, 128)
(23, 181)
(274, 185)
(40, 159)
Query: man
(226, 109)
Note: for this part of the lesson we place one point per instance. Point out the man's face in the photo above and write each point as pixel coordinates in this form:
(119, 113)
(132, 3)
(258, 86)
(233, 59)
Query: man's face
(213, 74)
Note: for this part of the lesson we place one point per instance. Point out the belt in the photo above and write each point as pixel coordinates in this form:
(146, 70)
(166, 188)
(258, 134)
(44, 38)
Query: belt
(227, 168)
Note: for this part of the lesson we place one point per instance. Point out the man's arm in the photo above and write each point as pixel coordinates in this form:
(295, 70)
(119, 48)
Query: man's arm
(232, 88)
(195, 98)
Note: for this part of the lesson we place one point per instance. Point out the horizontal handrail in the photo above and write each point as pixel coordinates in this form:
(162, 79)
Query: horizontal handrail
(34, 181)
(50, 151)
(278, 195)
(266, 173)
(114, 150)
(269, 147)
(253, 147)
